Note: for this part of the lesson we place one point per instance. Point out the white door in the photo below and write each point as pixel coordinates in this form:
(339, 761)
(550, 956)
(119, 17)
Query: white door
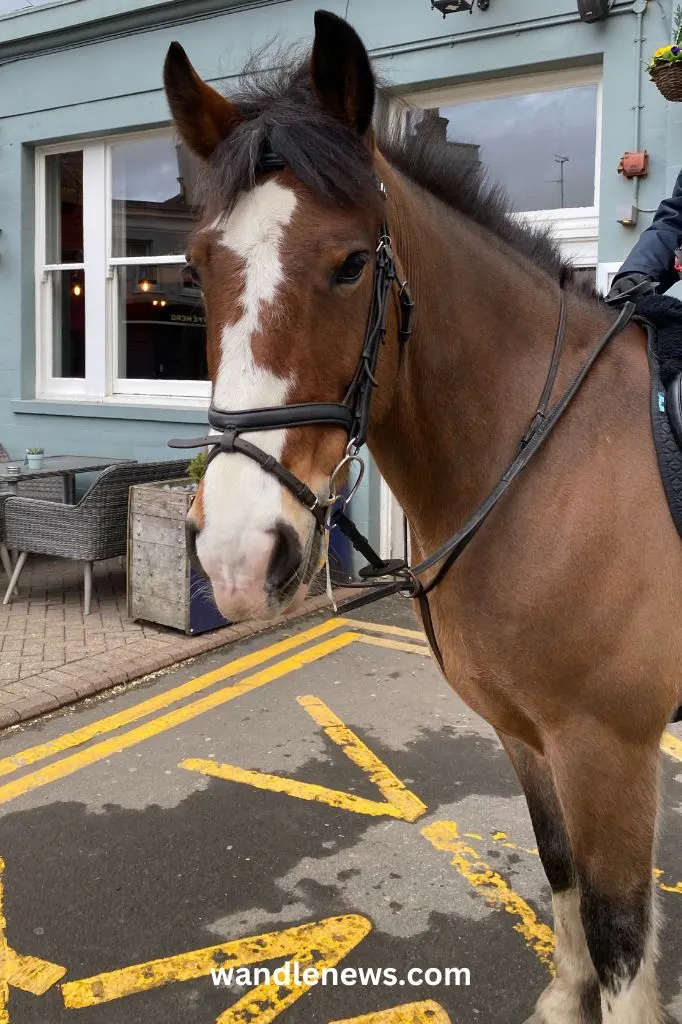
(392, 543)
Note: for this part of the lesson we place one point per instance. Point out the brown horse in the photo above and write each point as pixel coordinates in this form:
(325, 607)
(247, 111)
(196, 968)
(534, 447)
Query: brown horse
(560, 623)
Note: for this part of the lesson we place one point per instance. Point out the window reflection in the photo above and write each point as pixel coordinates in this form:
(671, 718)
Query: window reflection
(540, 146)
(161, 324)
(68, 322)
(64, 179)
(64, 245)
(151, 198)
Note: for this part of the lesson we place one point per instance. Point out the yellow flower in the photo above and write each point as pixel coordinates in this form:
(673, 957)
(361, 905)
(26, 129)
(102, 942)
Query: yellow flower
(663, 50)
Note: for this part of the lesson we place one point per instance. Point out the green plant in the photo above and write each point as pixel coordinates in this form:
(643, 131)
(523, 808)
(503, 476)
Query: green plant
(35, 451)
(672, 53)
(197, 467)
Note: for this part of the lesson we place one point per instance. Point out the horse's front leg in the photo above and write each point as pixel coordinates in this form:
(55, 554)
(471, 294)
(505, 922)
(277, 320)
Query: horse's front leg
(608, 790)
(573, 996)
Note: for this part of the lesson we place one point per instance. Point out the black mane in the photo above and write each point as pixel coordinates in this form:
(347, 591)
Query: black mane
(282, 115)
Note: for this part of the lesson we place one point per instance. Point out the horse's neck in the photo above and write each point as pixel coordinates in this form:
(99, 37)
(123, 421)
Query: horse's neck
(474, 368)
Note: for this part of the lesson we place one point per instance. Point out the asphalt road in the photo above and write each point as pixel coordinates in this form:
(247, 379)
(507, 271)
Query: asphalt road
(333, 775)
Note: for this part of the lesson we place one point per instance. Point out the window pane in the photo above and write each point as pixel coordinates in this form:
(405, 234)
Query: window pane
(151, 187)
(161, 324)
(68, 323)
(587, 274)
(64, 204)
(540, 146)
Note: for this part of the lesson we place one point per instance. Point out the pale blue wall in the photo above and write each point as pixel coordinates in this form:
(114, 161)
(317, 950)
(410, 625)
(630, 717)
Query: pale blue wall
(88, 67)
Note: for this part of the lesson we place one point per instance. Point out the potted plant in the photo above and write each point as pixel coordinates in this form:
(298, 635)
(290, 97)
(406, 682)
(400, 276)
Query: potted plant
(34, 457)
(197, 467)
(665, 67)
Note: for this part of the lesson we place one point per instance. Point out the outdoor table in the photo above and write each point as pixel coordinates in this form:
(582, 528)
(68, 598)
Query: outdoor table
(66, 466)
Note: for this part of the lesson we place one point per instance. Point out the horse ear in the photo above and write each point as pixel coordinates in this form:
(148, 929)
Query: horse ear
(203, 117)
(342, 77)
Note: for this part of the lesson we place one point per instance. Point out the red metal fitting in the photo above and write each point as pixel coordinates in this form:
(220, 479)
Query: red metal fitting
(634, 165)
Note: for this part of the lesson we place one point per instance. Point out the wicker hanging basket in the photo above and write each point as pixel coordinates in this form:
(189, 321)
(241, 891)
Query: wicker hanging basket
(668, 80)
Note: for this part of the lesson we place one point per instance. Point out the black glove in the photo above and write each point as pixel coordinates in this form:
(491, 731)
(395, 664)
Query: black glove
(627, 283)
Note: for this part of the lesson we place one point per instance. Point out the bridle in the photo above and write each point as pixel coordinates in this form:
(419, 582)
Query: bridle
(352, 415)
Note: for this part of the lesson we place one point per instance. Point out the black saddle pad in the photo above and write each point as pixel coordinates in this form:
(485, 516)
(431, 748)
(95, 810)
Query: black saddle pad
(661, 315)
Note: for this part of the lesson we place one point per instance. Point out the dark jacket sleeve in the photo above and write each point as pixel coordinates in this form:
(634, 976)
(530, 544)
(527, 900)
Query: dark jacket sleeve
(654, 253)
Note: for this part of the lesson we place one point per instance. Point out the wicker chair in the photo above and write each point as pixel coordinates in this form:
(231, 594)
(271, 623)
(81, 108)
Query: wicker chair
(50, 488)
(4, 553)
(93, 529)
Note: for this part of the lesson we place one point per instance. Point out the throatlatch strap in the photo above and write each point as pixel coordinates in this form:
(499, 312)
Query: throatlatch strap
(358, 540)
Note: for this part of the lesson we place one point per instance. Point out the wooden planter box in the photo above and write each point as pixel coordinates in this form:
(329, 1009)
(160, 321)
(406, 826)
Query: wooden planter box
(162, 586)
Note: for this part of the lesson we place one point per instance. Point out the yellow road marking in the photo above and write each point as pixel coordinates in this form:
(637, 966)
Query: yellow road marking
(112, 722)
(391, 788)
(398, 801)
(4, 972)
(671, 746)
(291, 787)
(444, 835)
(397, 645)
(27, 973)
(676, 889)
(380, 627)
(412, 1013)
(114, 745)
(31, 755)
(320, 944)
(68, 765)
(504, 840)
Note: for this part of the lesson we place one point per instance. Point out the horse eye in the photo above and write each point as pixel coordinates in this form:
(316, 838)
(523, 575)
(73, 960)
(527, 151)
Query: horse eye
(352, 268)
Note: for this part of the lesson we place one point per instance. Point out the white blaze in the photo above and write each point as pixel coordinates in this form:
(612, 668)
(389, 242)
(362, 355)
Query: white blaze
(240, 500)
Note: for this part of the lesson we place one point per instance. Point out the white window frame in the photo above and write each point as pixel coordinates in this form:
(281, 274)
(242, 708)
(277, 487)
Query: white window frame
(575, 229)
(101, 382)
(605, 275)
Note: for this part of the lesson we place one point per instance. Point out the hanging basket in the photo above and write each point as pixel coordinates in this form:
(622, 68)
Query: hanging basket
(668, 80)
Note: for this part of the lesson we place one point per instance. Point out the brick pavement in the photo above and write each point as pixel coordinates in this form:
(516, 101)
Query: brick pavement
(51, 654)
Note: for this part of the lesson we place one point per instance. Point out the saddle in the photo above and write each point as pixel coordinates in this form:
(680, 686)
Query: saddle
(661, 317)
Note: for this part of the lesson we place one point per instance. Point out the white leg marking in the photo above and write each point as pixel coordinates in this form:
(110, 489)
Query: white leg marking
(560, 1002)
(240, 501)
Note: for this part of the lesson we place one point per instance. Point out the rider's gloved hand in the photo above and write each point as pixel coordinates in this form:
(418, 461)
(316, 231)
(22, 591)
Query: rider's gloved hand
(626, 283)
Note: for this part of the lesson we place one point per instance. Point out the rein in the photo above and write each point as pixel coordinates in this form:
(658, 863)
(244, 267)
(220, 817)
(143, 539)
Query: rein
(352, 415)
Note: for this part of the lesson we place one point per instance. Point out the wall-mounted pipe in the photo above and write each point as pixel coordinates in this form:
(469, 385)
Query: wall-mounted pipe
(639, 10)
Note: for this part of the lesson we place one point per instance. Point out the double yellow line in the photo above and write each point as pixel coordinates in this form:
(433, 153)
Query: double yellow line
(323, 644)
(112, 723)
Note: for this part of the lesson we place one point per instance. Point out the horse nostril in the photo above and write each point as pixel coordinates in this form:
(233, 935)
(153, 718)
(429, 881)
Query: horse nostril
(286, 556)
(191, 534)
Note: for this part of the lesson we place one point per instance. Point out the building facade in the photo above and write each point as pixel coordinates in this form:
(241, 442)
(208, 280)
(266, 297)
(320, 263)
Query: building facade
(101, 329)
